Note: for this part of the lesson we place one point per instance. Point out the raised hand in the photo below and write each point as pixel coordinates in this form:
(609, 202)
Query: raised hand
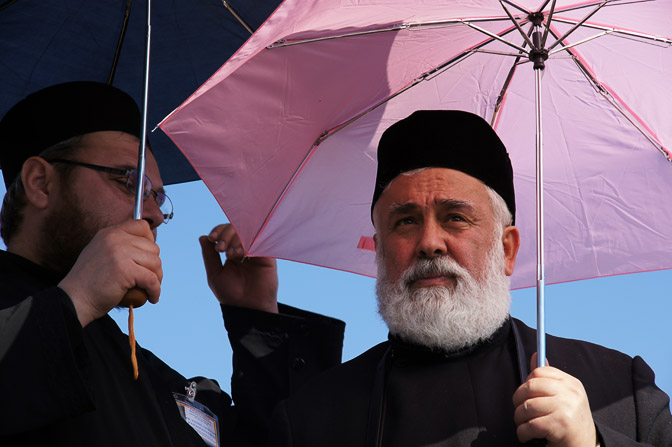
(240, 281)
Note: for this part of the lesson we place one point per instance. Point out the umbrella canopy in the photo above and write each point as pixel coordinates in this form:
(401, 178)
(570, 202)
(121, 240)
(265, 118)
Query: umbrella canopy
(45, 42)
(285, 133)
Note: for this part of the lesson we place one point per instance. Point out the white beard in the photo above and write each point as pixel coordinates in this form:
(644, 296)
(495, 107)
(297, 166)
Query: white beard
(441, 317)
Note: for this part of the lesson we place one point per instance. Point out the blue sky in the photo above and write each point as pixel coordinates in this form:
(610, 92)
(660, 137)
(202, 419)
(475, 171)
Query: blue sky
(629, 313)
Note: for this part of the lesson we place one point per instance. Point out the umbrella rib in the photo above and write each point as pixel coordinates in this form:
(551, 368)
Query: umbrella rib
(328, 133)
(499, 53)
(578, 25)
(288, 43)
(519, 8)
(548, 23)
(495, 36)
(227, 4)
(587, 39)
(398, 27)
(505, 87)
(120, 42)
(7, 4)
(425, 76)
(619, 31)
(543, 5)
(590, 5)
(515, 22)
(450, 63)
(600, 88)
(285, 189)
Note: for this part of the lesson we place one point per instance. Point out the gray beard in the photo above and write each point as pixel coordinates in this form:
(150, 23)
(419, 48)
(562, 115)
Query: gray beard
(442, 317)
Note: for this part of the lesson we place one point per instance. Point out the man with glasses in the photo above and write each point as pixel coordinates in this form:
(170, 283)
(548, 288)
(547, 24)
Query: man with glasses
(68, 156)
(131, 176)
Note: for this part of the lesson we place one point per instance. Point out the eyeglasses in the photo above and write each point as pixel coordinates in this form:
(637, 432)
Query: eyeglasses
(161, 199)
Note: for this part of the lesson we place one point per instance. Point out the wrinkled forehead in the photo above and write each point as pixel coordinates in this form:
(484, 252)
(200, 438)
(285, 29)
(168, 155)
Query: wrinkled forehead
(427, 186)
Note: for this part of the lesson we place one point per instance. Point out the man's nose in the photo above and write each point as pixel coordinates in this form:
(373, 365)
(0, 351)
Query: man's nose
(152, 213)
(432, 241)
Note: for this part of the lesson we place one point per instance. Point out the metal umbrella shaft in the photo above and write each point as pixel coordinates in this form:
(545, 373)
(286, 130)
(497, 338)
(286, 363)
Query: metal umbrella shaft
(541, 280)
(136, 294)
(140, 191)
(538, 56)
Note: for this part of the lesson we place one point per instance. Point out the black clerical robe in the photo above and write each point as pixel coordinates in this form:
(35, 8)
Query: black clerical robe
(64, 385)
(398, 394)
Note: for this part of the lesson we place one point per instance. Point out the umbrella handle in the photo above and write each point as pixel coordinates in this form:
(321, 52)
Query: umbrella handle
(135, 297)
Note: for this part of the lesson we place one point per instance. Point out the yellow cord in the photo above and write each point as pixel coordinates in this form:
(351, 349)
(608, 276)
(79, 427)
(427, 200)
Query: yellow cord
(131, 340)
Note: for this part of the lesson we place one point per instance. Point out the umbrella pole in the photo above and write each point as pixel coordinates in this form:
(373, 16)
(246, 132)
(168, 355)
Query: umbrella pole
(139, 193)
(538, 55)
(137, 293)
(541, 278)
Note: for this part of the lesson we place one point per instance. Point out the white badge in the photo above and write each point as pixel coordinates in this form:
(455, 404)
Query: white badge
(198, 416)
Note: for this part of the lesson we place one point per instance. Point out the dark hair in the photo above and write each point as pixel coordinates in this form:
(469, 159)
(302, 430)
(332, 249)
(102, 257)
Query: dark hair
(15, 200)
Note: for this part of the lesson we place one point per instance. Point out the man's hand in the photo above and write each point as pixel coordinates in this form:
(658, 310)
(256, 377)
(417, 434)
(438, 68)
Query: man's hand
(553, 405)
(241, 281)
(116, 260)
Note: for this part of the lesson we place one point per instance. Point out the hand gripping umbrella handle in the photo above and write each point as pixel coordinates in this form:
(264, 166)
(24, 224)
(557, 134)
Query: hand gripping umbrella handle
(135, 297)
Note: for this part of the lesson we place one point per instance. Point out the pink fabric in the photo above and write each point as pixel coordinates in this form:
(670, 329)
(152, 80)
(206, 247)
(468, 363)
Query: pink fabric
(251, 130)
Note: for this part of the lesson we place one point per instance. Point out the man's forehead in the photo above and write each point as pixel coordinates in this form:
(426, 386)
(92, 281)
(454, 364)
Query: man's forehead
(431, 186)
(435, 181)
(110, 146)
(436, 202)
(110, 136)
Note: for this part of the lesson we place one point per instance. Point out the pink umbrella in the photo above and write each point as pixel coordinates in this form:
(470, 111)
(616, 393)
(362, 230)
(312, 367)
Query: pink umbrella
(285, 133)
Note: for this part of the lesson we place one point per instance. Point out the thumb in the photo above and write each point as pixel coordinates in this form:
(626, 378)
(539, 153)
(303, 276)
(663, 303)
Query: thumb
(211, 258)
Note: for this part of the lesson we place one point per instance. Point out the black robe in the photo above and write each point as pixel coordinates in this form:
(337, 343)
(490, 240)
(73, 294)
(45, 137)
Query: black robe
(64, 385)
(406, 395)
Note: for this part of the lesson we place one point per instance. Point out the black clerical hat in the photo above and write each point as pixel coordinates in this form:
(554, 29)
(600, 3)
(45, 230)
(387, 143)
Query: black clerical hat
(445, 139)
(57, 113)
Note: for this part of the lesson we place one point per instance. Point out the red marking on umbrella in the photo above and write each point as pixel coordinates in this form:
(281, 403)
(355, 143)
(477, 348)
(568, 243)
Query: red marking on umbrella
(366, 243)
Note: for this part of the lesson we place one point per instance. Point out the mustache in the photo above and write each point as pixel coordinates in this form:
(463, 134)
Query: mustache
(427, 268)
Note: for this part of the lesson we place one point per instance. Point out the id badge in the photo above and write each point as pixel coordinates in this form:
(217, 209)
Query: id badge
(198, 416)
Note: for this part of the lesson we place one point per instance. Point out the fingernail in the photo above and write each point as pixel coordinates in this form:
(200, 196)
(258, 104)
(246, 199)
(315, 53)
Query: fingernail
(221, 246)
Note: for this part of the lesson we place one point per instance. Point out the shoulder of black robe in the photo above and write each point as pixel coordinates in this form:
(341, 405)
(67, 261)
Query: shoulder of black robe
(74, 386)
(333, 409)
(70, 372)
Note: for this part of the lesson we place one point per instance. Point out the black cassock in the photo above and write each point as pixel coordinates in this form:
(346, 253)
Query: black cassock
(64, 385)
(397, 394)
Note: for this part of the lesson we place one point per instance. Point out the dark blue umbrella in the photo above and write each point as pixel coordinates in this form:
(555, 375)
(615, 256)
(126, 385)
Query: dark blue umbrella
(45, 42)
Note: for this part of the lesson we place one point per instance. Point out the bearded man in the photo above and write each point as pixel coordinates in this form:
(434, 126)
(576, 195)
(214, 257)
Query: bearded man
(455, 371)
(68, 155)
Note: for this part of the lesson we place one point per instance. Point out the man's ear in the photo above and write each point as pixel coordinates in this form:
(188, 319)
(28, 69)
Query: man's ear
(511, 242)
(38, 177)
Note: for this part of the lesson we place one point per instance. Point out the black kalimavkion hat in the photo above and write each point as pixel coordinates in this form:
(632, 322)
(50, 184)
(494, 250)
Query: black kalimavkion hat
(57, 113)
(450, 139)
